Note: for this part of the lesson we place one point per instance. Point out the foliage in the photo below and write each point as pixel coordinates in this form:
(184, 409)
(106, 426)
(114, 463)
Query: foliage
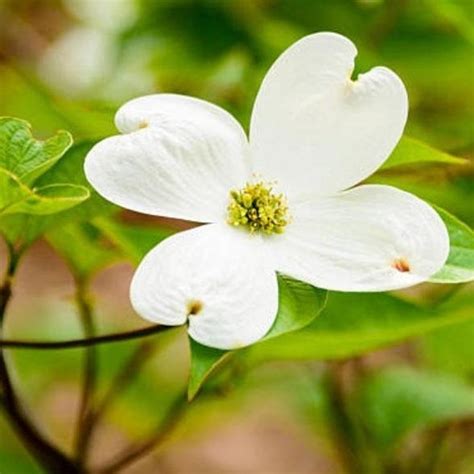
(460, 264)
(299, 304)
(28, 187)
(424, 399)
(219, 51)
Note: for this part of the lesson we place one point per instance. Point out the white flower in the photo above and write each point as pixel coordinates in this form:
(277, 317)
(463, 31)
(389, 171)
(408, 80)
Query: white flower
(314, 133)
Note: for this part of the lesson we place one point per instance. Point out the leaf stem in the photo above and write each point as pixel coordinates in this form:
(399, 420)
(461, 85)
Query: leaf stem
(126, 375)
(85, 342)
(356, 453)
(174, 415)
(89, 380)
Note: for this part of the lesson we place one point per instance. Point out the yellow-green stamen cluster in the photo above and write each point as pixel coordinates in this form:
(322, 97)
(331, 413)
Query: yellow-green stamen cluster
(258, 209)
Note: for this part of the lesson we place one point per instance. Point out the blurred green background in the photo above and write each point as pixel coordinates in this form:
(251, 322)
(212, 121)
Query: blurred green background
(69, 65)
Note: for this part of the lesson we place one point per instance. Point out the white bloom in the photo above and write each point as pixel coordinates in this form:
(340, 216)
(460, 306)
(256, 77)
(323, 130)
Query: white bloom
(314, 133)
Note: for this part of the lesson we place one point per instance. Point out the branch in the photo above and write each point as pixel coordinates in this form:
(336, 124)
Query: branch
(50, 457)
(357, 455)
(91, 341)
(126, 375)
(164, 429)
(6, 287)
(89, 375)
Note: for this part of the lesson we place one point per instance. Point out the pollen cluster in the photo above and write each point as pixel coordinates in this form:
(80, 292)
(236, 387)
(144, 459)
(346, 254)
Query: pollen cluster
(258, 209)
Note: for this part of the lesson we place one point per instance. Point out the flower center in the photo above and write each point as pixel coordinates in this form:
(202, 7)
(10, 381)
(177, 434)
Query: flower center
(258, 209)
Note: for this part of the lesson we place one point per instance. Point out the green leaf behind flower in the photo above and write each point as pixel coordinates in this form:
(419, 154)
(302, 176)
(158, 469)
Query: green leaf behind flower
(353, 324)
(411, 151)
(204, 360)
(460, 264)
(135, 241)
(83, 247)
(299, 305)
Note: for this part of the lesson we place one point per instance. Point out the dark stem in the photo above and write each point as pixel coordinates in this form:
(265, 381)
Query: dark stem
(6, 287)
(164, 429)
(357, 455)
(75, 343)
(434, 453)
(126, 375)
(343, 428)
(51, 458)
(89, 380)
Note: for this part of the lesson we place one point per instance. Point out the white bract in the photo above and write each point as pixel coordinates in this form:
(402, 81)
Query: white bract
(279, 202)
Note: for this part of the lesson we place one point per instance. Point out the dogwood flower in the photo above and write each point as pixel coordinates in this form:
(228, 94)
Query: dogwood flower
(282, 201)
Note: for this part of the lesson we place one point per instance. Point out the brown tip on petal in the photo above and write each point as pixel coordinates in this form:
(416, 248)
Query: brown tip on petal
(401, 265)
(194, 307)
(143, 124)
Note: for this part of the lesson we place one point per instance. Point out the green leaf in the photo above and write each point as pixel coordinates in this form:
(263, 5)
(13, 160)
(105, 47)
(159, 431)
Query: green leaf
(400, 400)
(135, 241)
(88, 247)
(450, 349)
(25, 157)
(299, 305)
(204, 360)
(354, 323)
(22, 161)
(71, 170)
(83, 247)
(460, 264)
(410, 151)
(23, 229)
(18, 198)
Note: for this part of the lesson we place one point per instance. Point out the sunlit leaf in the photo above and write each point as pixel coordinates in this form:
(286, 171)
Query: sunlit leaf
(353, 324)
(70, 169)
(460, 264)
(453, 192)
(18, 198)
(22, 161)
(23, 229)
(410, 150)
(25, 157)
